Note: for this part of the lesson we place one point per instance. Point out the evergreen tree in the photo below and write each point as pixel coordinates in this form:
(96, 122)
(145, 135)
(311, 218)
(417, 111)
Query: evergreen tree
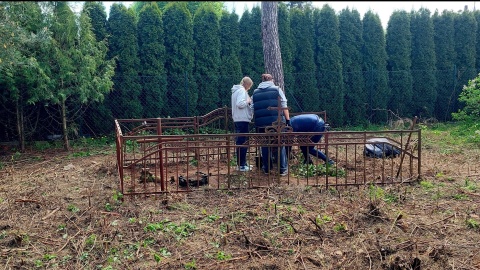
(424, 83)
(303, 61)
(375, 67)
(98, 113)
(398, 46)
(328, 58)
(230, 69)
(465, 28)
(445, 58)
(286, 48)
(152, 61)
(207, 57)
(251, 51)
(124, 101)
(78, 70)
(351, 43)
(22, 76)
(98, 16)
(476, 13)
(182, 93)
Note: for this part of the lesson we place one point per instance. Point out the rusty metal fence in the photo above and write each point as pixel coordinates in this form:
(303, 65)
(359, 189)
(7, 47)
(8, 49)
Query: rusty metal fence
(162, 155)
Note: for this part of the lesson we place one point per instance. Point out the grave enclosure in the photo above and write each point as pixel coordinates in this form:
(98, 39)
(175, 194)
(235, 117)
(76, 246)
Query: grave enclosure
(162, 155)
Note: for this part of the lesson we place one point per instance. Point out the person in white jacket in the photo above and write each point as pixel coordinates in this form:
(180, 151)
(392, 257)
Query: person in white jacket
(242, 114)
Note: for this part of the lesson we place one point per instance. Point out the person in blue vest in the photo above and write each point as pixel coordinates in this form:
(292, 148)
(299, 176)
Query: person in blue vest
(310, 123)
(242, 114)
(266, 95)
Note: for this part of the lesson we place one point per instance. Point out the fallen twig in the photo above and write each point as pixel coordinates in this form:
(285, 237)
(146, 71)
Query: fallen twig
(68, 240)
(440, 220)
(26, 200)
(51, 213)
(399, 216)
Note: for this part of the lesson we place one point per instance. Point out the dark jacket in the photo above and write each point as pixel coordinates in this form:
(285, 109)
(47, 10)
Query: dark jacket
(262, 99)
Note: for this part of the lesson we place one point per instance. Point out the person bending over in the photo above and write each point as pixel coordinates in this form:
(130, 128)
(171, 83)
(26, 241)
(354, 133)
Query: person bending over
(310, 123)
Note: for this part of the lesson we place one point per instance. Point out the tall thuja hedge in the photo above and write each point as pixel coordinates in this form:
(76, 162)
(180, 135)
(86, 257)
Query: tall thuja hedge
(476, 13)
(445, 58)
(124, 100)
(230, 69)
(207, 58)
(351, 42)
(182, 93)
(328, 58)
(98, 113)
(424, 84)
(152, 60)
(398, 46)
(303, 61)
(98, 16)
(375, 68)
(465, 27)
(286, 49)
(251, 52)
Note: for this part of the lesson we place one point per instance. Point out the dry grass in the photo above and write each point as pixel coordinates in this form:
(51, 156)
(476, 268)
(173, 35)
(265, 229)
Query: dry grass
(61, 212)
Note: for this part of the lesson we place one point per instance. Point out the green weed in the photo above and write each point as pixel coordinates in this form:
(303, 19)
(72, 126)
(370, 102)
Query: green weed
(190, 265)
(72, 208)
(472, 223)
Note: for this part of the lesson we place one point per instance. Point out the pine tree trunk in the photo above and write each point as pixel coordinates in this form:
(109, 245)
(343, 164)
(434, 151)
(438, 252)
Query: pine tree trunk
(271, 45)
(20, 127)
(66, 144)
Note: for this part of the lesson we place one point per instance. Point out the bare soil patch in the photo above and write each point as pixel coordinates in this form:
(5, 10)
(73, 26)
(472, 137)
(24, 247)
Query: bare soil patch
(58, 211)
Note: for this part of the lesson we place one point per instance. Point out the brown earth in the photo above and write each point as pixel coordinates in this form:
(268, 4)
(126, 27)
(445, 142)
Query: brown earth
(62, 210)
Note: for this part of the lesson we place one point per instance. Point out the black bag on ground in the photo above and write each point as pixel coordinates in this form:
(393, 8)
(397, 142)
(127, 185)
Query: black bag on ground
(380, 147)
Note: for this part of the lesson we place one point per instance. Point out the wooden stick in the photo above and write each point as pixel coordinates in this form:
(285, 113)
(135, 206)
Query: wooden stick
(406, 145)
(68, 240)
(51, 213)
(27, 200)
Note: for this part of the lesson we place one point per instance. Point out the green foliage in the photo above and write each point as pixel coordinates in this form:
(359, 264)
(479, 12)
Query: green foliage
(229, 69)
(73, 208)
(124, 100)
(181, 230)
(98, 16)
(445, 56)
(251, 47)
(470, 96)
(179, 62)
(472, 224)
(424, 84)
(303, 59)
(309, 170)
(328, 59)
(375, 192)
(351, 44)
(286, 48)
(426, 184)
(375, 66)
(152, 61)
(399, 47)
(222, 256)
(340, 227)
(190, 265)
(465, 28)
(207, 57)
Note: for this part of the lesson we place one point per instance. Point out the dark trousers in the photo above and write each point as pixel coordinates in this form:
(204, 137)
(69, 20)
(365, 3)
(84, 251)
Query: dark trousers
(241, 151)
(269, 153)
(306, 150)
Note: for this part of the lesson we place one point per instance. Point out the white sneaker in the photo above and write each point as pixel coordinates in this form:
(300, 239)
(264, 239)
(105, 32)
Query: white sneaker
(245, 168)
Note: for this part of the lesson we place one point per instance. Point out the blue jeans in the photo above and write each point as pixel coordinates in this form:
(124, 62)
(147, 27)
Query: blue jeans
(241, 152)
(320, 127)
(268, 154)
